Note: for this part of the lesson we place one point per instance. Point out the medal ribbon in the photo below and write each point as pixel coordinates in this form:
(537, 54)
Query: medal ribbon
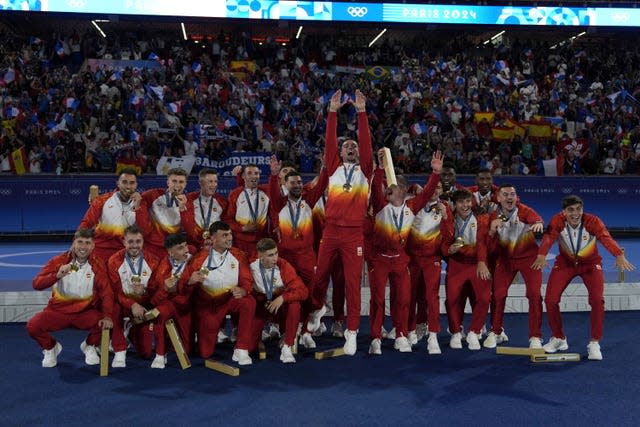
(295, 216)
(131, 267)
(268, 284)
(210, 265)
(254, 213)
(575, 248)
(460, 230)
(348, 177)
(398, 222)
(206, 219)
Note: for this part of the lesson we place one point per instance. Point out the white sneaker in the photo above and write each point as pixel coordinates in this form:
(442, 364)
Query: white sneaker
(119, 359)
(307, 340)
(159, 362)
(90, 354)
(391, 335)
(321, 330)
(375, 347)
(555, 344)
(473, 340)
(402, 345)
(421, 331)
(222, 337)
(350, 342)
(456, 340)
(337, 329)
(314, 319)
(274, 331)
(286, 356)
(535, 342)
(50, 358)
(242, 357)
(491, 341)
(502, 338)
(383, 332)
(433, 347)
(412, 336)
(234, 335)
(594, 351)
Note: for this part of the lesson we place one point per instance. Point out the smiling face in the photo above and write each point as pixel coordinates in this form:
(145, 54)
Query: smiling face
(573, 214)
(463, 207)
(222, 240)
(208, 184)
(251, 176)
(484, 180)
(507, 198)
(127, 185)
(349, 153)
(179, 252)
(133, 244)
(294, 186)
(82, 247)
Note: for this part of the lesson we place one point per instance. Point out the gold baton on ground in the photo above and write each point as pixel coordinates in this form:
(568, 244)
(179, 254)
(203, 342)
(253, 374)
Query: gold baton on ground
(183, 357)
(94, 191)
(389, 172)
(262, 352)
(104, 353)
(334, 352)
(222, 367)
(621, 273)
(562, 357)
(518, 351)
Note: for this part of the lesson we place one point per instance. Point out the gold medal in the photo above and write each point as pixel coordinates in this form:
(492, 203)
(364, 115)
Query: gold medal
(346, 187)
(204, 271)
(136, 279)
(503, 218)
(459, 241)
(402, 241)
(74, 267)
(296, 235)
(176, 276)
(205, 235)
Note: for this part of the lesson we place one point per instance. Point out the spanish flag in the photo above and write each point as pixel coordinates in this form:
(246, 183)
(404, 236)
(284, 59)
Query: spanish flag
(18, 161)
(479, 115)
(501, 134)
(517, 129)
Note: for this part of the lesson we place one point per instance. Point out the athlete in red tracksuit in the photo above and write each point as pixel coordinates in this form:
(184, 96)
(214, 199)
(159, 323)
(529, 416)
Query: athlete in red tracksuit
(346, 211)
(204, 207)
(393, 217)
(165, 207)
(465, 245)
(220, 283)
(511, 231)
(279, 293)
(577, 234)
(425, 252)
(131, 273)
(248, 211)
(81, 298)
(337, 273)
(168, 277)
(110, 213)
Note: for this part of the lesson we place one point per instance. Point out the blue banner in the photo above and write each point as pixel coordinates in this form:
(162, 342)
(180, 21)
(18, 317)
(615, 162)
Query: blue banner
(348, 11)
(235, 158)
(47, 204)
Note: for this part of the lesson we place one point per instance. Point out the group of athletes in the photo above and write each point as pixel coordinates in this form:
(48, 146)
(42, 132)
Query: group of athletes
(268, 253)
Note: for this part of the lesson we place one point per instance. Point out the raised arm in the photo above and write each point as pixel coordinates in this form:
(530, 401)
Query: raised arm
(364, 135)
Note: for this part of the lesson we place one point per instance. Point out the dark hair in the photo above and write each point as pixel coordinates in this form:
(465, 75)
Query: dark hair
(483, 170)
(174, 239)
(292, 173)
(133, 229)
(86, 233)
(461, 194)
(266, 244)
(249, 165)
(287, 164)
(506, 185)
(207, 171)
(571, 200)
(128, 171)
(218, 225)
(178, 171)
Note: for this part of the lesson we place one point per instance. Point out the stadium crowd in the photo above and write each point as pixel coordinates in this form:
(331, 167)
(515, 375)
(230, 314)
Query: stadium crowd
(505, 107)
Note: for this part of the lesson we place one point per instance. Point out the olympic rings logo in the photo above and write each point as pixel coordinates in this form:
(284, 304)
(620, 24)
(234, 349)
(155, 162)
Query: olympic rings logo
(5, 192)
(75, 191)
(357, 11)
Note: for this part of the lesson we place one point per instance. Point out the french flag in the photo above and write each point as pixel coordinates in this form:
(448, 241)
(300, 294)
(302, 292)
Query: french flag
(431, 72)
(265, 84)
(528, 52)
(588, 120)
(501, 65)
(115, 76)
(229, 121)
(71, 103)
(295, 100)
(196, 67)
(175, 107)
(459, 81)
(260, 108)
(59, 49)
(153, 57)
(302, 87)
(136, 100)
(9, 76)
(13, 112)
(419, 128)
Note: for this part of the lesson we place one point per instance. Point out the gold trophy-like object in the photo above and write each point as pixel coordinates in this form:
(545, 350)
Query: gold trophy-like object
(459, 241)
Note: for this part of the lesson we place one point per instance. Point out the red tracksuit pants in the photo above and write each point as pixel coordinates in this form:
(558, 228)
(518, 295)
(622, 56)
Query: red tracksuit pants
(142, 335)
(50, 320)
(346, 243)
(458, 274)
(288, 315)
(505, 272)
(395, 270)
(210, 318)
(560, 277)
(425, 292)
